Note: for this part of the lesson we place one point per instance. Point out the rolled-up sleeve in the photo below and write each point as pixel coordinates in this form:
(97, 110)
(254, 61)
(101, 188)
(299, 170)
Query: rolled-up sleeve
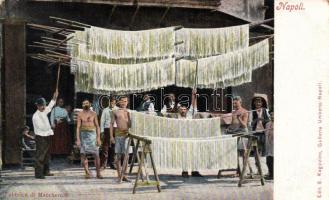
(50, 106)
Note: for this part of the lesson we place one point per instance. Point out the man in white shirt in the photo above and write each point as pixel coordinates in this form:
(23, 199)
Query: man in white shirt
(43, 131)
(107, 148)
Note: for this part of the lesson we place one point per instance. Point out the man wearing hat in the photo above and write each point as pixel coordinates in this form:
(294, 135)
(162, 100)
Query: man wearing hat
(259, 117)
(43, 131)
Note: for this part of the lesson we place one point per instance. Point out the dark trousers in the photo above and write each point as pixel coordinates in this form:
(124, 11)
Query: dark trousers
(107, 152)
(42, 155)
(270, 163)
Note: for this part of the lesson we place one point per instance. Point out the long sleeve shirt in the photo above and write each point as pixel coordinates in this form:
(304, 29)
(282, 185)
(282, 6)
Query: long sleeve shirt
(106, 117)
(41, 123)
(58, 113)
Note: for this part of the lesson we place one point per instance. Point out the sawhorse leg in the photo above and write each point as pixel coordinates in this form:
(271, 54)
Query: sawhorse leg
(135, 156)
(139, 169)
(155, 172)
(252, 143)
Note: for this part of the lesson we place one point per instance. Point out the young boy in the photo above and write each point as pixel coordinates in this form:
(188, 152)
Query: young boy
(118, 135)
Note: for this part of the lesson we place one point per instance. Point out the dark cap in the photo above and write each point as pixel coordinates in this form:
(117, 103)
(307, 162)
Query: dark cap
(40, 102)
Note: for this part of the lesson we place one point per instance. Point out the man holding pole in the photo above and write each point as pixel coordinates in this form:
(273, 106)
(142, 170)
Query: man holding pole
(43, 131)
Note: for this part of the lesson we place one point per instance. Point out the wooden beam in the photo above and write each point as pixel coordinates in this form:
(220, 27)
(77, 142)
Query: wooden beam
(14, 92)
(196, 4)
(252, 25)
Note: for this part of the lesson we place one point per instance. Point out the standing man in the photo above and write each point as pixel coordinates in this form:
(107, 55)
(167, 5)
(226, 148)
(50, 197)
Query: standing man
(184, 113)
(88, 137)
(43, 131)
(239, 124)
(107, 147)
(121, 118)
(61, 142)
(259, 117)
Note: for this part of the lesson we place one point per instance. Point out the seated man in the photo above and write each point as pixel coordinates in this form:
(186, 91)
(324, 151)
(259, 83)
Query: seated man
(28, 139)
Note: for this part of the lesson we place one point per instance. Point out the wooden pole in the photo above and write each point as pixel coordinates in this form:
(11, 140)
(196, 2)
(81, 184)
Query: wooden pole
(195, 84)
(71, 21)
(58, 73)
(111, 13)
(164, 15)
(67, 39)
(134, 17)
(77, 27)
(262, 36)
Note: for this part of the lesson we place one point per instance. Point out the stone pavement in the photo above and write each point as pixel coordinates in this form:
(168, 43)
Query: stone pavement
(69, 183)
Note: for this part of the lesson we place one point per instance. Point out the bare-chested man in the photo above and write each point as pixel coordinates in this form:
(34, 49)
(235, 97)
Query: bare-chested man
(88, 137)
(239, 117)
(118, 134)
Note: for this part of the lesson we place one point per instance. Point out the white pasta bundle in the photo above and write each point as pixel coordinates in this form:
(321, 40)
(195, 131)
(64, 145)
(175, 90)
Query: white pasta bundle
(195, 154)
(230, 69)
(199, 43)
(124, 78)
(105, 45)
(155, 126)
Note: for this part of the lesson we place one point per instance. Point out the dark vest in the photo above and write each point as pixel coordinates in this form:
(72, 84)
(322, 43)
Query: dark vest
(172, 110)
(265, 115)
(144, 106)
